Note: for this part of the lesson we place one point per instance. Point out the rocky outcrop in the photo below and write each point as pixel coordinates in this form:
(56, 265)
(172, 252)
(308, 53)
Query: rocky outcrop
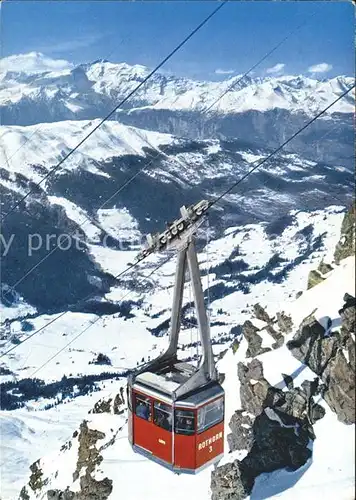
(89, 457)
(332, 357)
(274, 327)
(88, 443)
(253, 391)
(311, 347)
(314, 278)
(230, 483)
(241, 436)
(324, 268)
(284, 322)
(278, 442)
(261, 313)
(36, 481)
(273, 426)
(254, 340)
(114, 405)
(253, 386)
(346, 245)
(88, 454)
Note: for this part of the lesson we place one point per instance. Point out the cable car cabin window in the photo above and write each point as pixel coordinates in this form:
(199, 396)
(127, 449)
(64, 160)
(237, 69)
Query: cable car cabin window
(184, 422)
(143, 407)
(162, 415)
(210, 414)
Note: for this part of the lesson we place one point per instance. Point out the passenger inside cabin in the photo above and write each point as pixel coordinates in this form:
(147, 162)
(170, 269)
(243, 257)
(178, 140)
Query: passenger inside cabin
(165, 421)
(142, 410)
(185, 425)
(189, 424)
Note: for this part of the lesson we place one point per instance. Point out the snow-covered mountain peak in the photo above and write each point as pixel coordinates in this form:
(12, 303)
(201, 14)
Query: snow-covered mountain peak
(104, 69)
(101, 84)
(113, 139)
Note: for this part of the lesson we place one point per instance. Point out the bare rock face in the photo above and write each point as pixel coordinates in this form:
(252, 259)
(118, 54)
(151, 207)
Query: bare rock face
(36, 482)
(60, 495)
(102, 406)
(332, 357)
(36, 479)
(348, 313)
(114, 406)
(90, 489)
(230, 483)
(273, 426)
(261, 314)
(346, 245)
(314, 278)
(89, 457)
(279, 441)
(324, 268)
(274, 328)
(311, 347)
(340, 388)
(254, 387)
(241, 436)
(249, 331)
(316, 275)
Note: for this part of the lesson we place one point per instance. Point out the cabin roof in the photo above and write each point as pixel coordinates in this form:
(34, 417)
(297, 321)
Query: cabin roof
(162, 386)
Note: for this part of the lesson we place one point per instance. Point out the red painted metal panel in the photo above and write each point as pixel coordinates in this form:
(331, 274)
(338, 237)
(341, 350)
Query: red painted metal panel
(153, 438)
(184, 451)
(142, 432)
(190, 451)
(161, 440)
(209, 444)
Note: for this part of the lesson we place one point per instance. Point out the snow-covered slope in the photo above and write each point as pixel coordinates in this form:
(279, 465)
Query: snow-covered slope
(91, 195)
(25, 150)
(328, 474)
(246, 265)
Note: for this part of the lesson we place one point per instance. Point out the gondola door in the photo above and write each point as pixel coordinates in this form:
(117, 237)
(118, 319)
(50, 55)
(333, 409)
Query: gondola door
(142, 421)
(162, 438)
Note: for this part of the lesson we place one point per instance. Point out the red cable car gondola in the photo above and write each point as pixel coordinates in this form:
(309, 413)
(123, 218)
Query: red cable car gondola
(176, 411)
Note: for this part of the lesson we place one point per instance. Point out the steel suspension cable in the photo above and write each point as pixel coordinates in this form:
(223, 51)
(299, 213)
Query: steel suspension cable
(121, 103)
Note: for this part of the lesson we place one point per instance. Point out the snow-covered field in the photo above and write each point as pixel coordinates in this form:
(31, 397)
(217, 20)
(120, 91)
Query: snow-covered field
(115, 336)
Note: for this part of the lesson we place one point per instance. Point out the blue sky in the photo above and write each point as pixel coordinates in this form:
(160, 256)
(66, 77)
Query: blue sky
(144, 33)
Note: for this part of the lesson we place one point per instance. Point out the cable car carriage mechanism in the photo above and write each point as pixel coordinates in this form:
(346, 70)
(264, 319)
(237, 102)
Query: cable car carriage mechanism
(176, 411)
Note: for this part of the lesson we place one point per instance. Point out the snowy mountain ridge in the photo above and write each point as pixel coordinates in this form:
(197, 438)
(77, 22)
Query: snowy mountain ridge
(83, 90)
(85, 196)
(264, 111)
